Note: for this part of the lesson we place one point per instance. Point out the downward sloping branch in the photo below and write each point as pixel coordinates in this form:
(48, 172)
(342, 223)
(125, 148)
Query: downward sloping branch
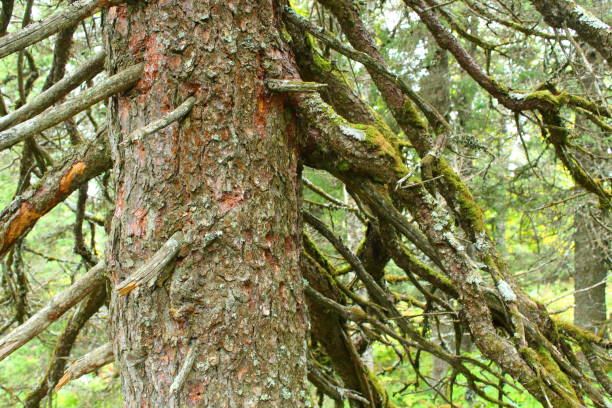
(87, 71)
(63, 346)
(561, 13)
(86, 364)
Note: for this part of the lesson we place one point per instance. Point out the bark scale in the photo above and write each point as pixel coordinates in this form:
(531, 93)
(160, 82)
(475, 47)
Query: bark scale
(226, 326)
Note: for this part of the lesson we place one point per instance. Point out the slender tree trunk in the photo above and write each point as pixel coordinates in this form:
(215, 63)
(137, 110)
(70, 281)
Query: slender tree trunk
(591, 262)
(226, 328)
(592, 254)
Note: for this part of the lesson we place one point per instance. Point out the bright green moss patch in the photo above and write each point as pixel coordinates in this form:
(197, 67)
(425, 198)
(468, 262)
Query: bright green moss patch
(412, 117)
(469, 210)
(576, 332)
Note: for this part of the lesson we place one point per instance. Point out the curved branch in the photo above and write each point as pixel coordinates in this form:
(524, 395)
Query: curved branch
(561, 13)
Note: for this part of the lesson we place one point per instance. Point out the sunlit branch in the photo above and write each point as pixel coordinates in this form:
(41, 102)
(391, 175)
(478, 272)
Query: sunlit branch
(86, 364)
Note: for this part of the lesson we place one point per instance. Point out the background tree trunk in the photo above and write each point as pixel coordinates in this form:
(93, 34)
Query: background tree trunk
(235, 307)
(591, 268)
(591, 240)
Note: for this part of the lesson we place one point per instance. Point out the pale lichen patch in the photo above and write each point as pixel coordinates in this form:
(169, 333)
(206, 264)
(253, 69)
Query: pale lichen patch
(506, 291)
(353, 133)
(590, 20)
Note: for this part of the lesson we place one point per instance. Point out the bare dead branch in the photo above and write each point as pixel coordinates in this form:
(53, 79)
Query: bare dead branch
(115, 84)
(86, 364)
(88, 161)
(88, 70)
(151, 270)
(56, 22)
(177, 114)
(53, 310)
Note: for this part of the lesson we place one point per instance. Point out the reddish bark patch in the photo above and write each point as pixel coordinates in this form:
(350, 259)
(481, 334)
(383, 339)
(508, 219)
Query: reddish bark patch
(271, 260)
(261, 116)
(231, 200)
(121, 20)
(196, 392)
(174, 62)
(153, 57)
(123, 108)
(140, 149)
(282, 292)
(225, 135)
(270, 238)
(288, 245)
(112, 12)
(138, 224)
(26, 217)
(120, 206)
(241, 372)
(77, 169)
(136, 42)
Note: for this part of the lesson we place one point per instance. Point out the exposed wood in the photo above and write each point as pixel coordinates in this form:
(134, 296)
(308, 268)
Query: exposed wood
(87, 161)
(86, 364)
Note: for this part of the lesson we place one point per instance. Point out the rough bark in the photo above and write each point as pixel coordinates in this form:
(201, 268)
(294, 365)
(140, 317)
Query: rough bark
(225, 327)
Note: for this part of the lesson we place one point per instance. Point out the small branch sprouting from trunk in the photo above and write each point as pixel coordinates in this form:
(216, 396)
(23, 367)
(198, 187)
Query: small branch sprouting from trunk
(86, 364)
(152, 270)
(156, 269)
(180, 378)
(288, 86)
(177, 114)
(334, 391)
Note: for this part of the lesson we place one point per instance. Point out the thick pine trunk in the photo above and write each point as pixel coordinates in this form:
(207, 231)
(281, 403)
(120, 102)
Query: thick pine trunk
(231, 314)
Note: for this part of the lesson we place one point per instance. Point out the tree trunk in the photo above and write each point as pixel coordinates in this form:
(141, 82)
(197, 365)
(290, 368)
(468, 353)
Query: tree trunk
(591, 241)
(591, 262)
(226, 326)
